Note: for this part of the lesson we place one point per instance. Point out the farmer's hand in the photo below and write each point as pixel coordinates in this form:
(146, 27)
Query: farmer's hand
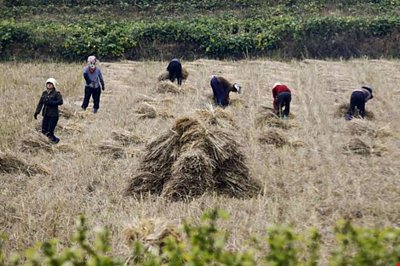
(35, 116)
(103, 88)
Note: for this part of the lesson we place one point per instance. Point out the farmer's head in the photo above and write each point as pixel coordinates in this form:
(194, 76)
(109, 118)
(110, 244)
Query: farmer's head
(368, 88)
(51, 84)
(237, 88)
(92, 61)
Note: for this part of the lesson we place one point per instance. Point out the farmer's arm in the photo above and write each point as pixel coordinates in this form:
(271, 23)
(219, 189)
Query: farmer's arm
(57, 100)
(39, 106)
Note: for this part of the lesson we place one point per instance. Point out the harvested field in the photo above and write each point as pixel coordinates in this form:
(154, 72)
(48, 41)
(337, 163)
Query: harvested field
(10, 163)
(344, 107)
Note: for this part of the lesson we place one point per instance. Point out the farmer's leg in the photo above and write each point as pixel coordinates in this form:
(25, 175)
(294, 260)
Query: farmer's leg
(88, 93)
(96, 98)
(45, 125)
(288, 99)
(52, 125)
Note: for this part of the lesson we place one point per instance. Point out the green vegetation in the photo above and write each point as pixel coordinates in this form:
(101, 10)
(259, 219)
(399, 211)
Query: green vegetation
(72, 29)
(205, 244)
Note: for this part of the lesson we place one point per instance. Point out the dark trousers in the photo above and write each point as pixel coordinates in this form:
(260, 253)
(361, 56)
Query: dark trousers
(48, 126)
(175, 71)
(221, 96)
(283, 100)
(357, 99)
(92, 92)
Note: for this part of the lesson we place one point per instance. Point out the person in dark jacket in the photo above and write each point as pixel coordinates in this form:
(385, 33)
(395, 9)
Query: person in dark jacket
(48, 105)
(94, 84)
(221, 89)
(175, 71)
(282, 98)
(357, 100)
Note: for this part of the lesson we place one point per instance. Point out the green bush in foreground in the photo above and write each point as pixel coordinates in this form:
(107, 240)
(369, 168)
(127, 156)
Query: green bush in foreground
(205, 244)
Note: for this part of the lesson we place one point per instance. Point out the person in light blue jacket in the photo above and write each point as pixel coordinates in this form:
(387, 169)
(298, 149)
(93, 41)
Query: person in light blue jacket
(94, 84)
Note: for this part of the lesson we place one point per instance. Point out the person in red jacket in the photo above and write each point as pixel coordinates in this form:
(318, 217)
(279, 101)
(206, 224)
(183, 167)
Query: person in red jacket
(282, 98)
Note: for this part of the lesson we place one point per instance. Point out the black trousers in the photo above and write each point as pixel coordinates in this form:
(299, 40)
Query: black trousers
(283, 100)
(175, 71)
(91, 92)
(357, 99)
(48, 126)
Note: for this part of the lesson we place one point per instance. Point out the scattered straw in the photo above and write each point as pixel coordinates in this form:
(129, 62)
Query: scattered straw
(267, 117)
(357, 146)
(152, 233)
(10, 163)
(274, 137)
(216, 116)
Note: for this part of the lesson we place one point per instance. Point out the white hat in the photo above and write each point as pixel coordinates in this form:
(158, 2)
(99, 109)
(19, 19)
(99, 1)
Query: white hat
(92, 60)
(238, 88)
(276, 84)
(52, 81)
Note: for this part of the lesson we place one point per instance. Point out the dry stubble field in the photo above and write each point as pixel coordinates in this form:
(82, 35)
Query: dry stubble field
(312, 184)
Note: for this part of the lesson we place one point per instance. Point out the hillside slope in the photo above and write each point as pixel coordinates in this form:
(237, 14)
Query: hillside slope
(313, 184)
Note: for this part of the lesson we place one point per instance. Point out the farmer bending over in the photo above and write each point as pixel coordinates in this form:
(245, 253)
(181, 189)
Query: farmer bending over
(221, 89)
(282, 98)
(175, 71)
(358, 99)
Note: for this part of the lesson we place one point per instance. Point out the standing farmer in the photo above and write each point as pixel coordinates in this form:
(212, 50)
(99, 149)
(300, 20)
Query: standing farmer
(94, 84)
(175, 71)
(221, 89)
(48, 104)
(282, 98)
(358, 99)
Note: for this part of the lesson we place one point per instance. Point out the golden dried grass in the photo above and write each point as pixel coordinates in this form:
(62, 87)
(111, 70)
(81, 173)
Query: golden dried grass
(219, 164)
(126, 137)
(10, 163)
(145, 110)
(344, 107)
(168, 87)
(152, 233)
(274, 137)
(267, 117)
(35, 142)
(111, 148)
(216, 116)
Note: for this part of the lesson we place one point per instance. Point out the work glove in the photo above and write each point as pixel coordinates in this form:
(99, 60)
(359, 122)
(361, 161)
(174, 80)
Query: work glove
(35, 116)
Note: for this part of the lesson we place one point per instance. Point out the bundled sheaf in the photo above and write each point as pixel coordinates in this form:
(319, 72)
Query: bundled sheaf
(267, 117)
(10, 163)
(145, 110)
(35, 142)
(190, 160)
(344, 107)
(126, 137)
(216, 116)
(358, 146)
(167, 86)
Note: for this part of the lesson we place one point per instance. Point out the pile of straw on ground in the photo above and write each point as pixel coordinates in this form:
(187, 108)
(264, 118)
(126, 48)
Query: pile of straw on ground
(216, 116)
(34, 142)
(165, 75)
(168, 87)
(10, 163)
(152, 233)
(71, 127)
(267, 117)
(190, 160)
(362, 127)
(344, 107)
(274, 137)
(111, 148)
(126, 137)
(145, 110)
(357, 146)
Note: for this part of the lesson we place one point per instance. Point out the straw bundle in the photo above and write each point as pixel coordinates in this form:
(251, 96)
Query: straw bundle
(34, 142)
(216, 116)
(126, 138)
(357, 146)
(361, 127)
(145, 110)
(165, 75)
(168, 87)
(111, 148)
(267, 117)
(344, 107)
(71, 127)
(191, 176)
(190, 160)
(67, 111)
(274, 137)
(10, 163)
(152, 233)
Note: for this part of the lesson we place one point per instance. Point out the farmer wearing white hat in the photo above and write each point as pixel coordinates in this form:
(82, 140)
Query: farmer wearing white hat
(221, 88)
(94, 83)
(175, 71)
(282, 98)
(358, 99)
(48, 105)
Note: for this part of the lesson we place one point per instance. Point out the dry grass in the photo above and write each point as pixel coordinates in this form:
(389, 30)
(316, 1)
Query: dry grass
(190, 160)
(35, 142)
(145, 110)
(10, 163)
(344, 107)
(126, 137)
(306, 187)
(168, 87)
(152, 233)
